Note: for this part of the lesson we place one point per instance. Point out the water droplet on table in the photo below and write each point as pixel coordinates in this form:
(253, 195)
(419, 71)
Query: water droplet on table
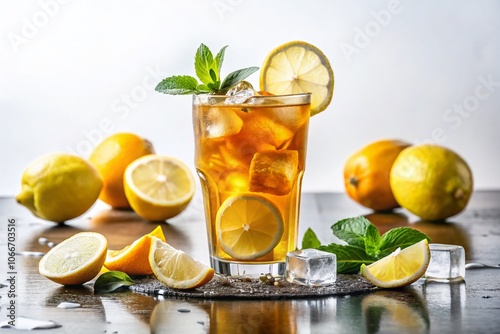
(67, 305)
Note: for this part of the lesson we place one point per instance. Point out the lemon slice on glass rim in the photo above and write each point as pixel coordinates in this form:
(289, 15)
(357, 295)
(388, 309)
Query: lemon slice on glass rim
(400, 268)
(248, 226)
(299, 67)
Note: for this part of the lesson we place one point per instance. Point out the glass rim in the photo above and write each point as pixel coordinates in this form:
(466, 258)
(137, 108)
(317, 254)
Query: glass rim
(304, 98)
(257, 96)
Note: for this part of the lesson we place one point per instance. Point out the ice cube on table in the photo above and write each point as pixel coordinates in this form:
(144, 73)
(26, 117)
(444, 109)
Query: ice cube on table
(447, 262)
(273, 172)
(311, 267)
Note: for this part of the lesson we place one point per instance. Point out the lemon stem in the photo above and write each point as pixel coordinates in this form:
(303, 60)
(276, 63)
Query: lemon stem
(353, 181)
(459, 193)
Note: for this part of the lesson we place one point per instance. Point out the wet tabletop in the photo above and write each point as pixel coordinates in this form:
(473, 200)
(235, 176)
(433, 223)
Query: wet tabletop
(424, 307)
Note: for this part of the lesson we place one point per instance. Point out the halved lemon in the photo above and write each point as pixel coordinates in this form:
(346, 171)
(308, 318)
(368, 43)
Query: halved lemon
(400, 268)
(176, 269)
(299, 67)
(158, 187)
(75, 260)
(248, 226)
(134, 258)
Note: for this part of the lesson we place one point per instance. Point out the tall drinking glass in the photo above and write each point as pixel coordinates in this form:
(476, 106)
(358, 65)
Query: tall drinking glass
(250, 158)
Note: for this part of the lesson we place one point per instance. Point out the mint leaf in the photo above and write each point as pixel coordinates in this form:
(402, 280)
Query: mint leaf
(372, 241)
(213, 76)
(112, 281)
(219, 58)
(359, 232)
(349, 258)
(213, 86)
(352, 230)
(178, 85)
(203, 63)
(234, 77)
(310, 240)
(400, 237)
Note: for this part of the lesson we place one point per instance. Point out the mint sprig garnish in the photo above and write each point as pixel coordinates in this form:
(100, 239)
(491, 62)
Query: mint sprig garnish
(207, 69)
(364, 244)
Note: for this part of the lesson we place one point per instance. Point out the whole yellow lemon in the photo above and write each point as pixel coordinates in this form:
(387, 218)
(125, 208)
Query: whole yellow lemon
(59, 187)
(366, 174)
(431, 181)
(111, 157)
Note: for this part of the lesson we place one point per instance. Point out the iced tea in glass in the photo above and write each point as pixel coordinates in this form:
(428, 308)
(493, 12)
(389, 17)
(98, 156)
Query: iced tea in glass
(250, 158)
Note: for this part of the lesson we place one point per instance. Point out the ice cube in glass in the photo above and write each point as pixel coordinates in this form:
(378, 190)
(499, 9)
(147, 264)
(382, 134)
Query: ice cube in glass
(447, 262)
(258, 133)
(240, 93)
(220, 123)
(273, 172)
(311, 267)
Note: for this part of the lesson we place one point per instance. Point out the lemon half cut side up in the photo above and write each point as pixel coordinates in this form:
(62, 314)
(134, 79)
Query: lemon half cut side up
(75, 260)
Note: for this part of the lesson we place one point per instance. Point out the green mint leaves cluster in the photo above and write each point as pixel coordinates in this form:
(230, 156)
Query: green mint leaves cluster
(364, 244)
(207, 69)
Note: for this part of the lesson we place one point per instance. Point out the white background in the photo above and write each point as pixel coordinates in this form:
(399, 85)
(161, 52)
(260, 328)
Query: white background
(73, 72)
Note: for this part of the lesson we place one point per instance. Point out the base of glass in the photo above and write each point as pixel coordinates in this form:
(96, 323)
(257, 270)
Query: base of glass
(247, 269)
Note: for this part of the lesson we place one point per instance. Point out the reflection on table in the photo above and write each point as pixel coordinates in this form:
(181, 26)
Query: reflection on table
(425, 306)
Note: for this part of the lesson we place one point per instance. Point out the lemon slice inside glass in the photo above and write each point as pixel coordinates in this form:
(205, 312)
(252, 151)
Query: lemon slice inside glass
(248, 226)
(75, 260)
(175, 268)
(400, 268)
(299, 67)
(158, 187)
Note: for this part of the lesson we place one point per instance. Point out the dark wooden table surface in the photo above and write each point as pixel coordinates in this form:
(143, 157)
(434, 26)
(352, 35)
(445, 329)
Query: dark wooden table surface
(472, 306)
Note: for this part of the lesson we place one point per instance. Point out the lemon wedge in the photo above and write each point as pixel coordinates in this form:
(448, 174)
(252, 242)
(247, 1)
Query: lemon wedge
(299, 67)
(134, 258)
(158, 187)
(248, 226)
(176, 269)
(400, 268)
